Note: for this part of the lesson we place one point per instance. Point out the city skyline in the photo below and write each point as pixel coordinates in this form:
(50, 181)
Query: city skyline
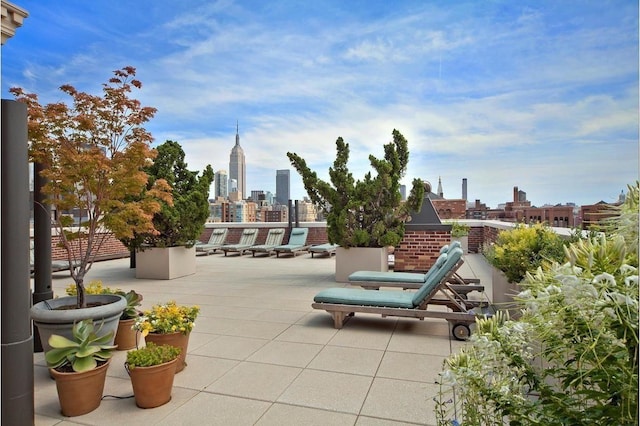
(540, 95)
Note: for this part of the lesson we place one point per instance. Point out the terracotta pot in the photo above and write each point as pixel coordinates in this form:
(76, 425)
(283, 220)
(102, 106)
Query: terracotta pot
(80, 393)
(178, 340)
(126, 337)
(152, 385)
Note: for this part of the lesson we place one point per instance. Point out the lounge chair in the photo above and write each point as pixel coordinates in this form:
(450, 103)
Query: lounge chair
(412, 280)
(247, 239)
(342, 303)
(297, 242)
(327, 249)
(274, 239)
(216, 241)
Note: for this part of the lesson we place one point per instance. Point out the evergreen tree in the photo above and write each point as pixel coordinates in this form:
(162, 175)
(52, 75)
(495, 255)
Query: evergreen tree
(368, 212)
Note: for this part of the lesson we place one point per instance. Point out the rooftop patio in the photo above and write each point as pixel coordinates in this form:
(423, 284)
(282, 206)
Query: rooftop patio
(260, 355)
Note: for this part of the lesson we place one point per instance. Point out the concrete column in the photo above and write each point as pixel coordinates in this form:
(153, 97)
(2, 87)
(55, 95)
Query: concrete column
(42, 247)
(17, 343)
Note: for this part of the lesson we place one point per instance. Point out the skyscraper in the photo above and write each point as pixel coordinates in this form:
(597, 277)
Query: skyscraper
(237, 169)
(282, 187)
(221, 184)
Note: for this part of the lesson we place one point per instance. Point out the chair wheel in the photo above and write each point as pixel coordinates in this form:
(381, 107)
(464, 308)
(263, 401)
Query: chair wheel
(461, 331)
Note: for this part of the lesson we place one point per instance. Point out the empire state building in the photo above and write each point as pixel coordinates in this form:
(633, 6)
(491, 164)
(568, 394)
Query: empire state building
(237, 168)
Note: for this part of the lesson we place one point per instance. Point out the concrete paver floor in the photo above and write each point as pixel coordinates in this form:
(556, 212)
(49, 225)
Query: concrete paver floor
(260, 355)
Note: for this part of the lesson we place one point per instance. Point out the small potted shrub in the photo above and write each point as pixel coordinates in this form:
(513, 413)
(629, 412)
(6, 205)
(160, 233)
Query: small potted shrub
(460, 232)
(517, 251)
(170, 324)
(126, 337)
(152, 369)
(79, 367)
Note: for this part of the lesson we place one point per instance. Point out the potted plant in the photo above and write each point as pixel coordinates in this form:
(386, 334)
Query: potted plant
(170, 324)
(366, 213)
(92, 152)
(168, 252)
(79, 367)
(460, 232)
(126, 337)
(518, 251)
(152, 369)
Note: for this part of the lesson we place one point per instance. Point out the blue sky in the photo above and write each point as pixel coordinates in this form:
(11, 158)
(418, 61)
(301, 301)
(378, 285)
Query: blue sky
(542, 95)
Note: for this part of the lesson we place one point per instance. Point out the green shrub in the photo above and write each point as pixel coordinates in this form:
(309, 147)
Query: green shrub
(151, 355)
(524, 248)
(459, 230)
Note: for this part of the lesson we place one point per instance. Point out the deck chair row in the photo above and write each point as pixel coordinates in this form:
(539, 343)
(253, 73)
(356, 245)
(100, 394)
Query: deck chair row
(273, 242)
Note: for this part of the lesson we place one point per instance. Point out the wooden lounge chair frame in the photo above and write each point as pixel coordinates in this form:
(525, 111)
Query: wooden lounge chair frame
(247, 239)
(297, 242)
(216, 241)
(274, 239)
(323, 249)
(460, 316)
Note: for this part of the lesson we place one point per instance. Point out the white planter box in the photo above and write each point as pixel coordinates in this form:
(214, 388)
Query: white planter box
(355, 259)
(165, 263)
(464, 243)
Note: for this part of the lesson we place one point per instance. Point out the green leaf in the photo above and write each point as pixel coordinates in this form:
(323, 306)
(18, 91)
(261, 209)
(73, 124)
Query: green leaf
(84, 364)
(56, 341)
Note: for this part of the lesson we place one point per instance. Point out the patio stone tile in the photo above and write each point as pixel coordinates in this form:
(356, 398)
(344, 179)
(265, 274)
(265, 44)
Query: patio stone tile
(401, 400)
(213, 410)
(279, 315)
(256, 329)
(328, 390)
(286, 353)
(430, 326)
(305, 334)
(201, 371)
(231, 347)
(371, 421)
(422, 344)
(373, 335)
(198, 339)
(213, 325)
(348, 360)
(282, 414)
(254, 380)
(406, 366)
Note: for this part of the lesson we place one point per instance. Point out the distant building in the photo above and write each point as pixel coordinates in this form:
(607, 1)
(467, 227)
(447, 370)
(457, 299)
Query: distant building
(221, 184)
(307, 211)
(283, 182)
(237, 167)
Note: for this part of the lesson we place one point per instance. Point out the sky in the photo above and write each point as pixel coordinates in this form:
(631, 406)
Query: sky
(542, 95)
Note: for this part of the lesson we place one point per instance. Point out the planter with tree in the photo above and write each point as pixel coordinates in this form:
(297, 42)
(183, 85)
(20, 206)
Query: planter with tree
(169, 253)
(152, 369)
(79, 367)
(93, 153)
(126, 337)
(366, 213)
(169, 324)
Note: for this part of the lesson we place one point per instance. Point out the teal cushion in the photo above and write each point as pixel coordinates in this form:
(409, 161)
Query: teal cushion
(389, 277)
(443, 266)
(444, 249)
(353, 296)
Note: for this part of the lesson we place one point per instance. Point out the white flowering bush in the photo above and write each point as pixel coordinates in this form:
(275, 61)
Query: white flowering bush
(571, 358)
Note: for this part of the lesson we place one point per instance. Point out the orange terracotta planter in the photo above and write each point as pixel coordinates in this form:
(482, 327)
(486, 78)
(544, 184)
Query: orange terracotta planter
(80, 393)
(126, 337)
(152, 385)
(178, 340)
